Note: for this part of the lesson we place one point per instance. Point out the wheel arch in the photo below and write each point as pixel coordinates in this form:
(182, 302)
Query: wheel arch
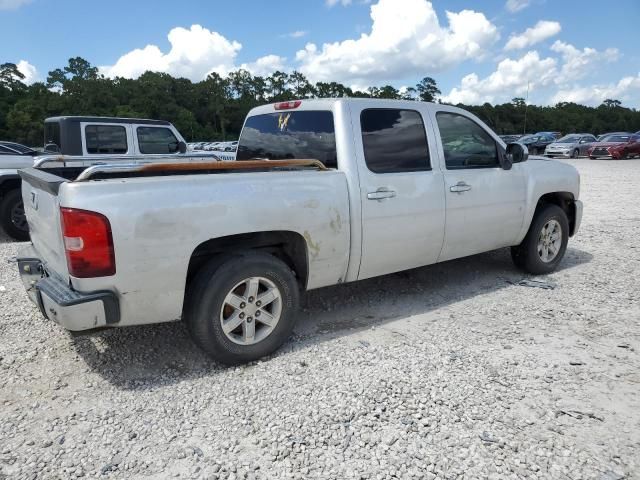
(288, 246)
(8, 183)
(564, 200)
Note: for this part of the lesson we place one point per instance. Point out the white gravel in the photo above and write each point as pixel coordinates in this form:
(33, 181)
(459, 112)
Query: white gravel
(450, 371)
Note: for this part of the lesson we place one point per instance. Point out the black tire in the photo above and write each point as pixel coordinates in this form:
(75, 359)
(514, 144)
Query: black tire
(625, 155)
(575, 153)
(206, 297)
(526, 257)
(13, 223)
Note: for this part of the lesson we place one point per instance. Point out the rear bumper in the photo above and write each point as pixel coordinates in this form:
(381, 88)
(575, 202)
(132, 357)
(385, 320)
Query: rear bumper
(61, 304)
(578, 220)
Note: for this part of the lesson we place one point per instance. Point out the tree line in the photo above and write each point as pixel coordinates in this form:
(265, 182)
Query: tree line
(214, 108)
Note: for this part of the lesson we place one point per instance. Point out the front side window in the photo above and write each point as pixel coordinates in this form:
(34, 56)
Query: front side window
(289, 135)
(394, 141)
(102, 139)
(465, 143)
(152, 140)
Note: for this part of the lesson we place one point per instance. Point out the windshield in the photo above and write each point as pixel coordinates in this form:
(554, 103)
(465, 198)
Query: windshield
(569, 139)
(528, 139)
(289, 135)
(17, 147)
(615, 138)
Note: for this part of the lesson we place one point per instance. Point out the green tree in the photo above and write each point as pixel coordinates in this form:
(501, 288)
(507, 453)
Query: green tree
(428, 89)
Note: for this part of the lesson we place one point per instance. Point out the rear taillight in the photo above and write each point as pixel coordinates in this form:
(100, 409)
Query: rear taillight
(287, 105)
(88, 243)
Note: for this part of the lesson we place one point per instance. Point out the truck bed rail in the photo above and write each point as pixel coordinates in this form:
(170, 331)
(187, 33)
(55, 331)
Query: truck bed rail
(91, 172)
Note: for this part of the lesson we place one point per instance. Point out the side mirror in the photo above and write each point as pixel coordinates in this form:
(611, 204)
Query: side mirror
(516, 153)
(182, 147)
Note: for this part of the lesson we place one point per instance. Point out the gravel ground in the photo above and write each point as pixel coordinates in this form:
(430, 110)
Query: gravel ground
(450, 371)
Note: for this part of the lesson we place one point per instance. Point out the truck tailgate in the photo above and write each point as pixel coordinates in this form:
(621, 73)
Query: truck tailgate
(41, 206)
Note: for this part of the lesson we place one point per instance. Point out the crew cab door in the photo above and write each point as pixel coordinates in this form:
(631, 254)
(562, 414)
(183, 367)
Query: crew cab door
(401, 194)
(484, 203)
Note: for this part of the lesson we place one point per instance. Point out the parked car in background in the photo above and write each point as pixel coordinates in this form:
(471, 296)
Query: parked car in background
(230, 251)
(536, 143)
(573, 145)
(601, 137)
(618, 146)
(12, 157)
(555, 135)
(231, 147)
(510, 138)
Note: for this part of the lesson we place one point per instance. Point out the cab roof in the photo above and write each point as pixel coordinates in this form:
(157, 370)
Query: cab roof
(79, 118)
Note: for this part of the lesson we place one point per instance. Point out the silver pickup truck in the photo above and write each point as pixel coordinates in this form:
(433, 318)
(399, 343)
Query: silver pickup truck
(227, 248)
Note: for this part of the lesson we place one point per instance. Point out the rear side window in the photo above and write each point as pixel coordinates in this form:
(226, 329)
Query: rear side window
(394, 141)
(52, 134)
(289, 135)
(156, 140)
(106, 139)
(465, 143)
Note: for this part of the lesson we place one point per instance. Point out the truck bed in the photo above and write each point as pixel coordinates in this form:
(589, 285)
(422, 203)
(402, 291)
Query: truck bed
(159, 217)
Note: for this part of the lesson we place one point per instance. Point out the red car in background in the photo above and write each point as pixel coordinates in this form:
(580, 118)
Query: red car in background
(618, 146)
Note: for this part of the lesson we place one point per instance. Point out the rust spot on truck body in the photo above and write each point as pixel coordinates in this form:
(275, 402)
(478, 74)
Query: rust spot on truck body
(314, 248)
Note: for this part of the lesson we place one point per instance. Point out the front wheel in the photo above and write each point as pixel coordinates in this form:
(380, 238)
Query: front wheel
(575, 153)
(242, 308)
(545, 243)
(12, 217)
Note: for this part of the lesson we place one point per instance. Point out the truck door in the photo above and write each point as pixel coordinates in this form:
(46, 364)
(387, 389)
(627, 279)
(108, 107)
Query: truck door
(485, 203)
(401, 194)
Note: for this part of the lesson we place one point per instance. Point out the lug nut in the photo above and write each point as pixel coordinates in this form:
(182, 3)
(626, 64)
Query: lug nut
(250, 299)
(257, 314)
(242, 305)
(249, 319)
(258, 303)
(241, 315)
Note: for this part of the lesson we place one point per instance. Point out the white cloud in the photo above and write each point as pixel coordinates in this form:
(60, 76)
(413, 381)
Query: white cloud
(296, 34)
(266, 65)
(517, 5)
(406, 38)
(626, 90)
(12, 4)
(541, 31)
(332, 3)
(29, 71)
(511, 79)
(194, 53)
(577, 63)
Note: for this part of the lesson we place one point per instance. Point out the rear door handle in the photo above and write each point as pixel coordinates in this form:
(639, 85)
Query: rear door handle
(460, 187)
(381, 194)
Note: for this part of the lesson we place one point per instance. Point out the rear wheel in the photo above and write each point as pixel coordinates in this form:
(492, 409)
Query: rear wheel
(12, 217)
(242, 308)
(624, 155)
(575, 153)
(545, 243)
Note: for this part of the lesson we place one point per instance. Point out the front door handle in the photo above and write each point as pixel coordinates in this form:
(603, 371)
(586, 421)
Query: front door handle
(381, 194)
(460, 187)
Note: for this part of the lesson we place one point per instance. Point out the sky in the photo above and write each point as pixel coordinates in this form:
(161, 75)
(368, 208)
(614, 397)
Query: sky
(477, 51)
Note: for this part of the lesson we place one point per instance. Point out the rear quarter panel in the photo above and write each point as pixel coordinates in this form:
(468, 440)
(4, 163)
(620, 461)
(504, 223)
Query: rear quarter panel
(158, 222)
